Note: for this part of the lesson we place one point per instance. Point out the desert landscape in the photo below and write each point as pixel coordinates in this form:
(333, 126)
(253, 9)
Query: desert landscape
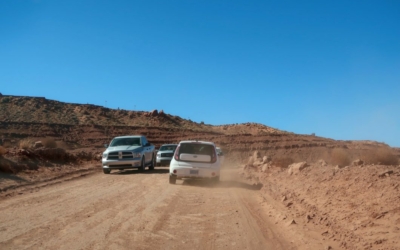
(279, 190)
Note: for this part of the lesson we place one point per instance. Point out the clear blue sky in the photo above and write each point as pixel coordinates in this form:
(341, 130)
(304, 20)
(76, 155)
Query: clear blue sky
(325, 67)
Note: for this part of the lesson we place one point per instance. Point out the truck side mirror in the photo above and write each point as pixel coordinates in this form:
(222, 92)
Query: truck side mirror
(106, 145)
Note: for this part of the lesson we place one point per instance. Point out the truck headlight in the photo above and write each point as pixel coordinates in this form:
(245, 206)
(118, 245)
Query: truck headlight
(105, 155)
(136, 155)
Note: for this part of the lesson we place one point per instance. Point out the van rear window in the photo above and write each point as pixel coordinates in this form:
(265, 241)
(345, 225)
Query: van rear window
(196, 148)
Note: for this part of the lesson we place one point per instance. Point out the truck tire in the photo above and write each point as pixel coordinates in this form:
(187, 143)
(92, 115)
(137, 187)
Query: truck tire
(153, 163)
(142, 165)
(106, 171)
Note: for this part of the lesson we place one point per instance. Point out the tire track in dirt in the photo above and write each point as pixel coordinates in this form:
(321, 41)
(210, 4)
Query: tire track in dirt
(132, 210)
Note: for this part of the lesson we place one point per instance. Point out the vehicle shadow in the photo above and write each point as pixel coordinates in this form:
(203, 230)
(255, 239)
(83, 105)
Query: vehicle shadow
(6, 176)
(222, 184)
(136, 171)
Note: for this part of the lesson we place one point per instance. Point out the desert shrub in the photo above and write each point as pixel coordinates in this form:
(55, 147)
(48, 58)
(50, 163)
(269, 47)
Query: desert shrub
(3, 151)
(282, 162)
(5, 100)
(382, 156)
(7, 144)
(54, 154)
(25, 143)
(49, 143)
(340, 156)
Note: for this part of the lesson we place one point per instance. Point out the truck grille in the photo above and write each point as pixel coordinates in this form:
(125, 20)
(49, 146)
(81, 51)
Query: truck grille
(167, 154)
(116, 155)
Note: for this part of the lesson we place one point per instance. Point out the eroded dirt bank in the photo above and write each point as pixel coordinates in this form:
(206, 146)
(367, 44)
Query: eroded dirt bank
(356, 206)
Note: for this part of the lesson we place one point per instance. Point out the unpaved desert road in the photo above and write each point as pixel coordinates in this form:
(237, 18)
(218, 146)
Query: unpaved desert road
(133, 210)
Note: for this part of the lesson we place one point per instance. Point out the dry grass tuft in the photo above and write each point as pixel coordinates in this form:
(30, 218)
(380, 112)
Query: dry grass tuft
(383, 156)
(3, 151)
(340, 156)
(49, 143)
(25, 143)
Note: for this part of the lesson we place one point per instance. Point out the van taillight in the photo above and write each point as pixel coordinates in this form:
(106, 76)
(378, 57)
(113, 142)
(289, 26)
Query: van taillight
(177, 153)
(213, 157)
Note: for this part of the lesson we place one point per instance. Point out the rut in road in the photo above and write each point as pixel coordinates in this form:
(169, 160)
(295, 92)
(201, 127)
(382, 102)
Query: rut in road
(133, 210)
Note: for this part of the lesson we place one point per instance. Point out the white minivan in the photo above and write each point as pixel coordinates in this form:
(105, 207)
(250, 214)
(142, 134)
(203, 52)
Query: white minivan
(195, 160)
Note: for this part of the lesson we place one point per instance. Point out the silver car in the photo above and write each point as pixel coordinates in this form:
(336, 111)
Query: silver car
(165, 154)
(128, 152)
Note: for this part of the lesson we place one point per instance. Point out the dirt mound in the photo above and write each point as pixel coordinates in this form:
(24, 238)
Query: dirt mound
(356, 206)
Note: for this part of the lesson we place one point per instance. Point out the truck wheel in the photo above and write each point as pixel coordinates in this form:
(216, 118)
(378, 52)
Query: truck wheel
(143, 165)
(172, 179)
(106, 171)
(153, 163)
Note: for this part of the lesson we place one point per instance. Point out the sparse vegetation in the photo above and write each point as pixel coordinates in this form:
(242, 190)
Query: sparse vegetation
(25, 143)
(340, 156)
(3, 151)
(7, 144)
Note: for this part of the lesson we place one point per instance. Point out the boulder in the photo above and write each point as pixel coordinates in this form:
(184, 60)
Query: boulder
(38, 144)
(257, 163)
(322, 163)
(265, 167)
(386, 173)
(357, 162)
(23, 152)
(266, 159)
(250, 161)
(338, 167)
(295, 168)
(256, 155)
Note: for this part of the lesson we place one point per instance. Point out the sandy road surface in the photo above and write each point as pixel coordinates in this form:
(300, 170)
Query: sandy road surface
(132, 210)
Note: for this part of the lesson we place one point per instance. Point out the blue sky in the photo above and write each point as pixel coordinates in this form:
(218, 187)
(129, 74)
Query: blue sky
(325, 67)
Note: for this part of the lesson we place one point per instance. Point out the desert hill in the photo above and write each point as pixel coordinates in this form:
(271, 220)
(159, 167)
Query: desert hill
(342, 192)
(82, 126)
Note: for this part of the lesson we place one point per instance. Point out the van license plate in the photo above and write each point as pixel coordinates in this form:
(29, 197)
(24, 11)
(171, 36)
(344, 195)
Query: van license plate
(194, 171)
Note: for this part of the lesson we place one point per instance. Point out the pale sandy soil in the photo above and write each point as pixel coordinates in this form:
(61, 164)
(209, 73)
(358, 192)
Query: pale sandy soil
(317, 208)
(355, 207)
(132, 210)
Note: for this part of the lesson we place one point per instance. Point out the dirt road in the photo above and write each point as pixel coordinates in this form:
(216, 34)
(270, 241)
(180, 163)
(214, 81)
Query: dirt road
(133, 210)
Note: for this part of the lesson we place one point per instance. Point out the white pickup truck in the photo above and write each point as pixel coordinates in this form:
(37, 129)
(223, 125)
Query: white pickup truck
(132, 151)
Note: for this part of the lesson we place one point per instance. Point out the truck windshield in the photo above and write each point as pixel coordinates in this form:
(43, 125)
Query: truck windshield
(168, 147)
(125, 142)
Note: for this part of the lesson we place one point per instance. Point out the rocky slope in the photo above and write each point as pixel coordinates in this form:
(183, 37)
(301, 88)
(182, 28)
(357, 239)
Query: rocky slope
(85, 128)
(350, 204)
(351, 207)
